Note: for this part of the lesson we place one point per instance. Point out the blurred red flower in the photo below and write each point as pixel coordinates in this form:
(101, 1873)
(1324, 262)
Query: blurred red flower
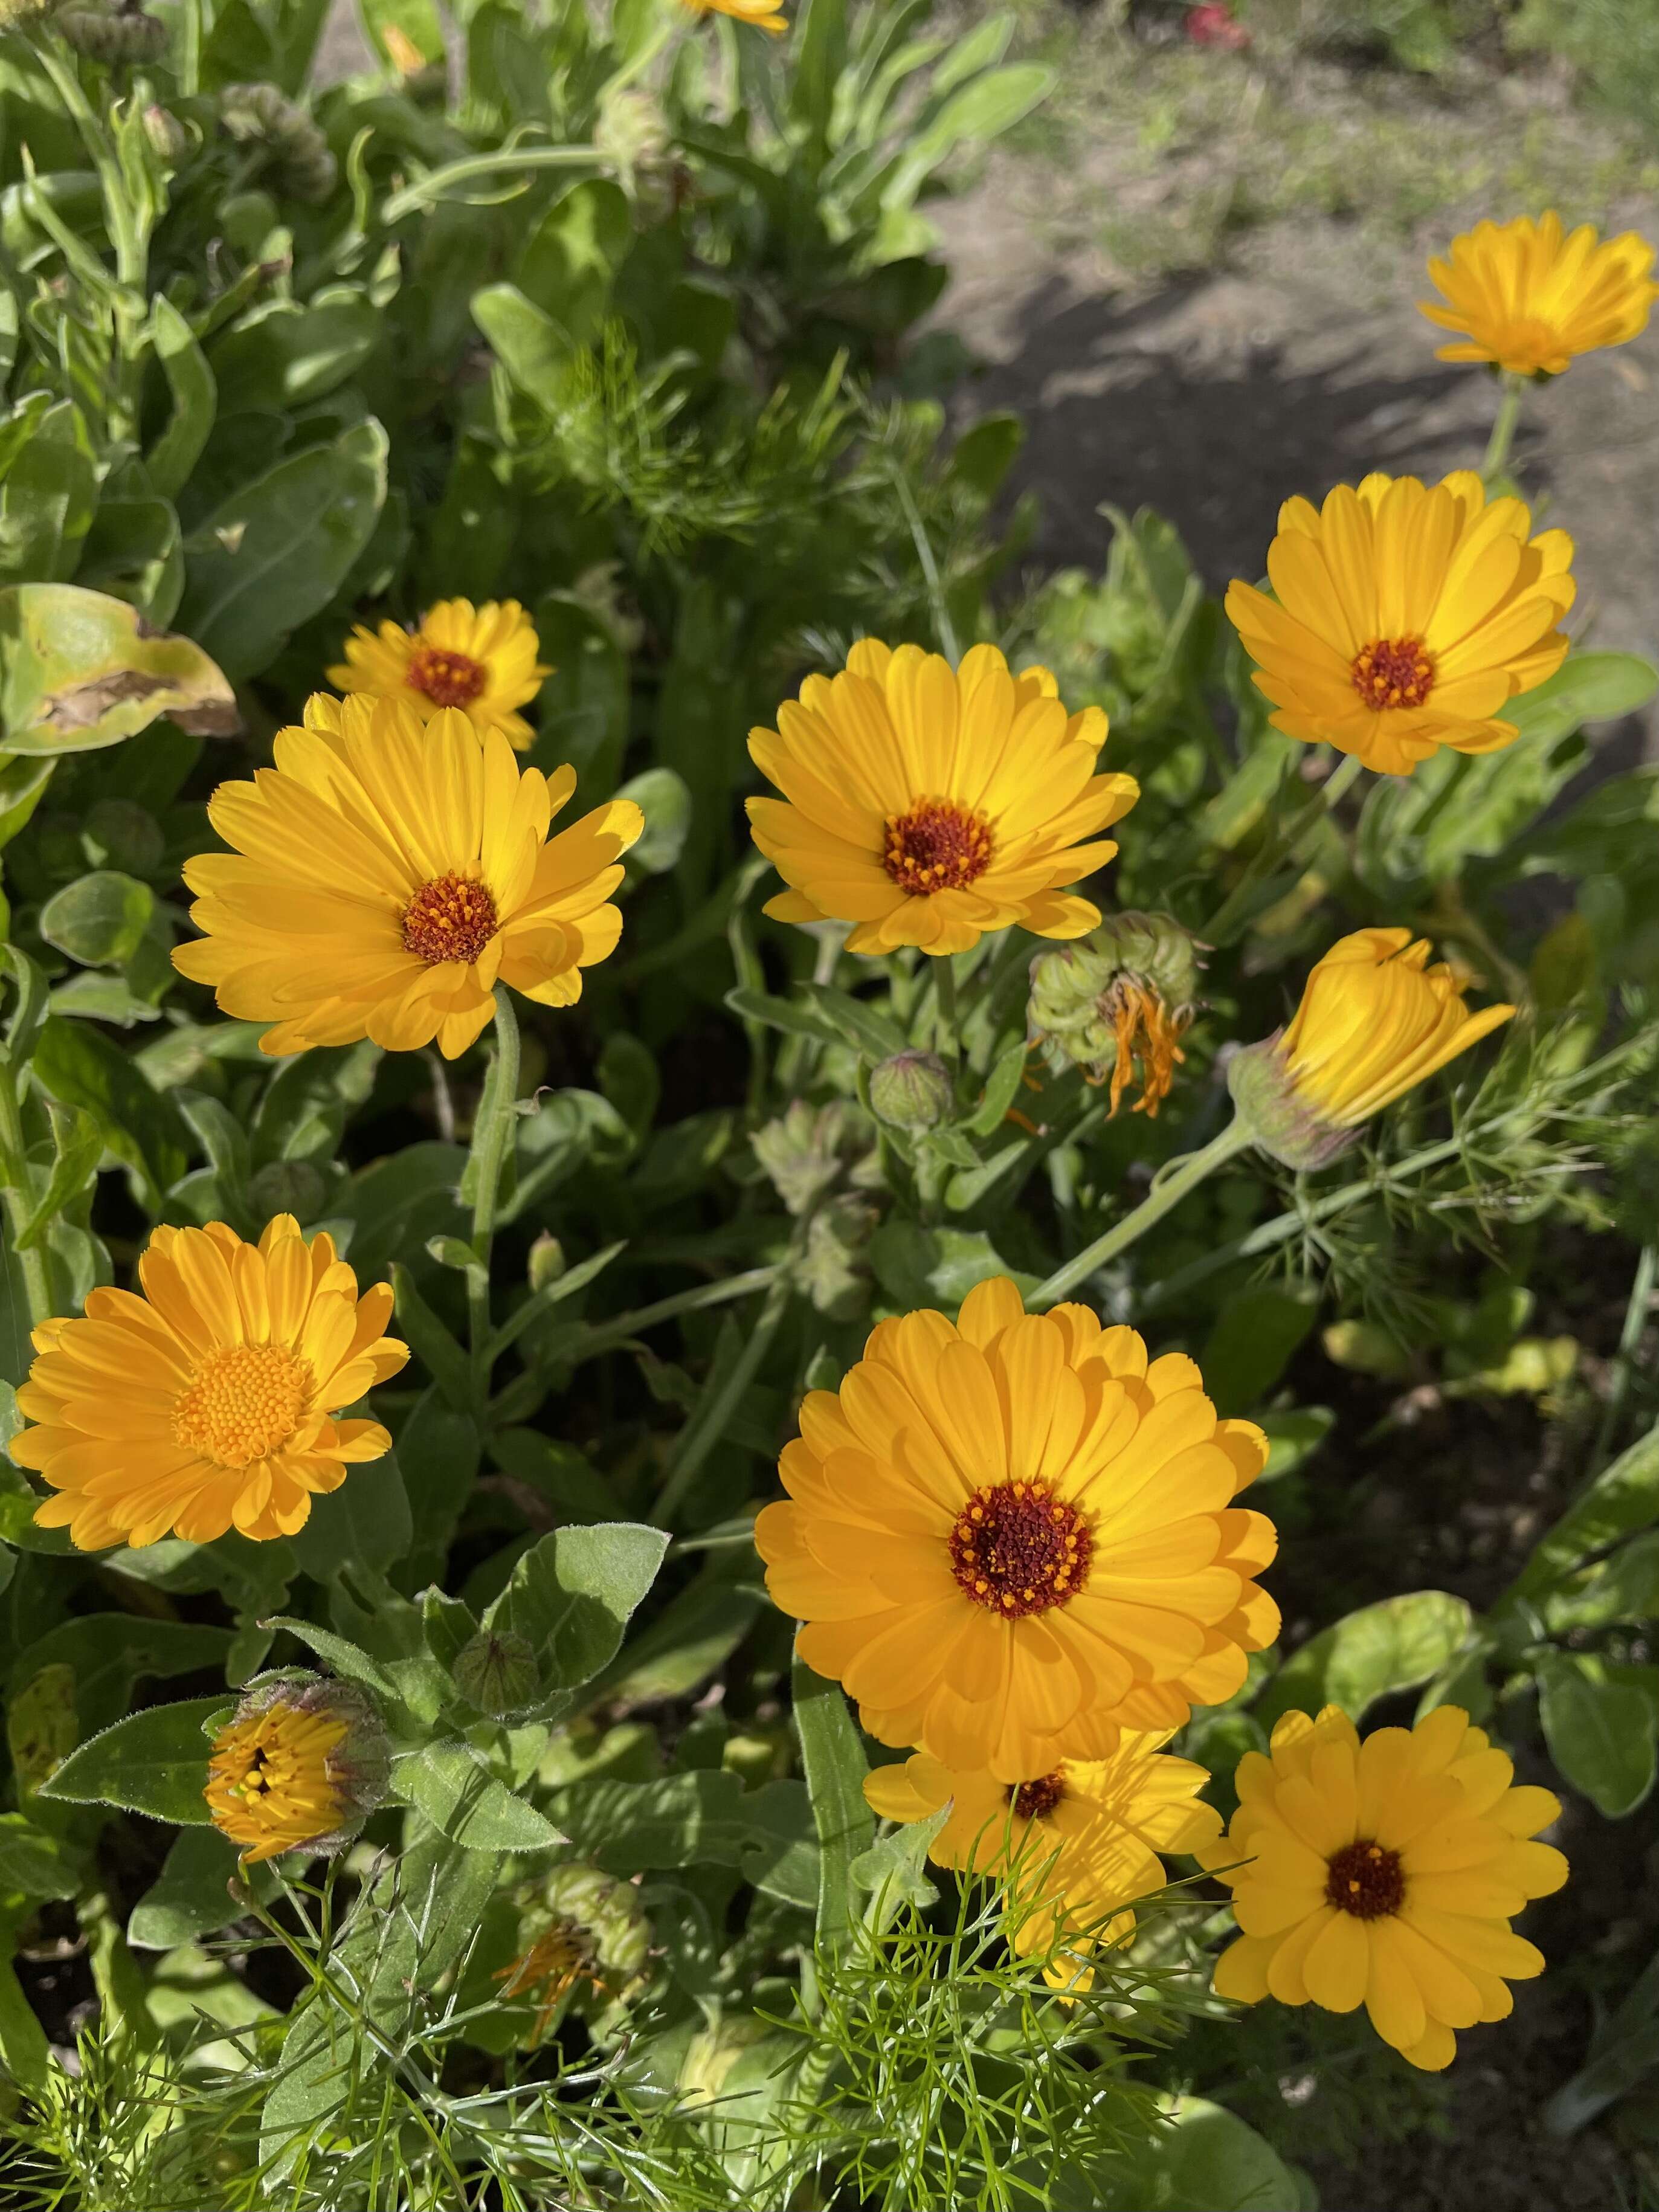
(1213, 24)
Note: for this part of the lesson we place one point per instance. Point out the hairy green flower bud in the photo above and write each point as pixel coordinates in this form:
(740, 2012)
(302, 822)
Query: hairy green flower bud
(546, 1261)
(911, 1090)
(259, 115)
(169, 139)
(1283, 1120)
(121, 32)
(496, 1671)
(288, 1186)
(1129, 990)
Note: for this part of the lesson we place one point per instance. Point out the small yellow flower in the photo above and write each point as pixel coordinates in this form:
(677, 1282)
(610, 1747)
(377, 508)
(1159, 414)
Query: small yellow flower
(480, 660)
(1009, 1538)
(299, 1767)
(386, 877)
(1374, 1021)
(1074, 1846)
(1404, 617)
(927, 805)
(764, 15)
(208, 1403)
(1530, 301)
(1384, 1874)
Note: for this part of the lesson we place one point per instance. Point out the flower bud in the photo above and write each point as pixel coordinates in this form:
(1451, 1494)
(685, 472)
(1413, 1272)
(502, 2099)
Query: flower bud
(1128, 991)
(584, 1927)
(259, 115)
(546, 1261)
(301, 1764)
(288, 1186)
(169, 139)
(119, 33)
(496, 1671)
(911, 1090)
(1374, 1021)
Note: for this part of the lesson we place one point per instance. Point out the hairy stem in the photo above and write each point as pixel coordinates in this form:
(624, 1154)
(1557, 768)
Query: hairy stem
(1180, 1176)
(1504, 424)
(492, 1136)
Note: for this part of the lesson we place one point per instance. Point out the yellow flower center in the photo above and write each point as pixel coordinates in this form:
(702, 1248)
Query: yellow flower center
(1394, 672)
(554, 1963)
(1365, 1882)
(1019, 1549)
(936, 847)
(448, 679)
(450, 918)
(245, 1401)
(1034, 1800)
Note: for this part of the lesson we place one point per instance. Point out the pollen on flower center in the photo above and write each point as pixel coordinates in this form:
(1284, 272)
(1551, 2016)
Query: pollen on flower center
(245, 1402)
(1034, 1800)
(1365, 1881)
(452, 918)
(936, 847)
(1394, 672)
(1019, 1549)
(448, 679)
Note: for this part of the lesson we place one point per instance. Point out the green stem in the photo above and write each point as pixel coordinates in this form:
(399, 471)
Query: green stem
(942, 623)
(1289, 846)
(1503, 427)
(433, 186)
(668, 29)
(1180, 1176)
(606, 1334)
(36, 1282)
(1624, 1366)
(944, 998)
(492, 1135)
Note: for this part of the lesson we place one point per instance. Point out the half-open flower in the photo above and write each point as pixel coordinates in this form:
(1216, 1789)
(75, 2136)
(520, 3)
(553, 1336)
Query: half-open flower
(1529, 298)
(299, 1767)
(479, 660)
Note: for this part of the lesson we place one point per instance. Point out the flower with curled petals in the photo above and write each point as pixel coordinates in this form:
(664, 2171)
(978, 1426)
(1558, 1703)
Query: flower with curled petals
(208, 1403)
(1009, 1538)
(479, 660)
(387, 875)
(1530, 298)
(926, 804)
(1404, 617)
(1074, 1847)
(1384, 1874)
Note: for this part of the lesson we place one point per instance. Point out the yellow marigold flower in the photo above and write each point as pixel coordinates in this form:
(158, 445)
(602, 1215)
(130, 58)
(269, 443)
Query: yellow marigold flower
(1072, 1845)
(1384, 1874)
(1374, 1021)
(386, 877)
(300, 1766)
(1530, 300)
(1009, 1538)
(1404, 616)
(927, 805)
(764, 15)
(479, 660)
(207, 1402)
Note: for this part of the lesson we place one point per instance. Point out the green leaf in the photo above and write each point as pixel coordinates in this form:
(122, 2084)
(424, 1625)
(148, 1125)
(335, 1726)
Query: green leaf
(861, 1024)
(78, 1146)
(396, 1203)
(697, 1631)
(345, 1657)
(1602, 1732)
(918, 1266)
(99, 920)
(47, 500)
(1383, 1648)
(893, 1870)
(366, 1522)
(571, 1596)
(191, 1896)
(1207, 2161)
(438, 1453)
(703, 1818)
(109, 1653)
(34, 1862)
(1588, 687)
(664, 799)
(1623, 1499)
(277, 551)
(79, 669)
(283, 354)
(1001, 1088)
(431, 1342)
(1624, 1588)
(80, 1067)
(153, 1762)
(172, 460)
(572, 256)
(1293, 1436)
(1255, 1333)
(534, 349)
(450, 1783)
(832, 1755)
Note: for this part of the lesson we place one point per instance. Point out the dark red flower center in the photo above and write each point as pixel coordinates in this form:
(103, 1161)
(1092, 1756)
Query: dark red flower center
(1034, 1800)
(1019, 1549)
(1365, 1881)
(450, 918)
(448, 679)
(1394, 672)
(936, 847)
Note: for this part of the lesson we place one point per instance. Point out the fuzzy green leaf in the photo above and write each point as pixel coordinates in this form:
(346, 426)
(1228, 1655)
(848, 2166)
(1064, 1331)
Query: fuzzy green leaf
(153, 1762)
(1383, 1648)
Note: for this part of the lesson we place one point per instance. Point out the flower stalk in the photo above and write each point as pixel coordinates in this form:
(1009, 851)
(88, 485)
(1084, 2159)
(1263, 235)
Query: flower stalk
(1168, 1189)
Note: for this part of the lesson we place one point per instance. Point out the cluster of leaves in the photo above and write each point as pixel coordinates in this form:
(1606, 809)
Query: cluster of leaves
(621, 331)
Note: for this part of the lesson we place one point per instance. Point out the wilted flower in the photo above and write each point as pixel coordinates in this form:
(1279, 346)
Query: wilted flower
(481, 660)
(585, 1927)
(299, 1767)
(1530, 300)
(805, 1149)
(1384, 1874)
(1125, 993)
(1374, 1022)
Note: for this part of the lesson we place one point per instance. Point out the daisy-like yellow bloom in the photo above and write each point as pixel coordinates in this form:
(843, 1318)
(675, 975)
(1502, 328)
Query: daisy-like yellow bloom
(1384, 1874)
(764, 15)
(1009, 1538)
(1072, 1845)
(386, 876)
(480, 661)
(1374, 1021)
(1530, 299)
(1404, 617)
(298, 1768)
(927, 805)
(207, 1403)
